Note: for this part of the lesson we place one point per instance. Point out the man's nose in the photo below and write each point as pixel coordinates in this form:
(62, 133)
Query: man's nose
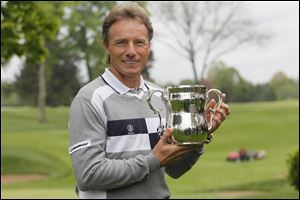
(130, 51)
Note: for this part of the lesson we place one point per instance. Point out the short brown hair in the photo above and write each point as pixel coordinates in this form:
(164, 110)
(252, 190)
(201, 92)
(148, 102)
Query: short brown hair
(125, 10)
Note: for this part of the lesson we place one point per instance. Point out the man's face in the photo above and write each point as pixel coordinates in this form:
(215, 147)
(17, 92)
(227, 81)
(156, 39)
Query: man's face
(128, 46)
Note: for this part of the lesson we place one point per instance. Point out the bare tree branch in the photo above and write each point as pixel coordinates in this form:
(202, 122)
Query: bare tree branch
(206, 28)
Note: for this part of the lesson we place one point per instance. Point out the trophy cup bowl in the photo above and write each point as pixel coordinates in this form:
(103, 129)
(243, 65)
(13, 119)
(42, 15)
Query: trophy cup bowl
(185, 112)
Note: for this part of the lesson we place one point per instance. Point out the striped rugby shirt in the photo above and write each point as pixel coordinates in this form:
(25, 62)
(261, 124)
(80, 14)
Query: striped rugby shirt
(112, 134)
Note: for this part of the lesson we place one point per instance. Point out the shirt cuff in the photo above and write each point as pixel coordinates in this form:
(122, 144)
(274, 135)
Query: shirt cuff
(153, 162)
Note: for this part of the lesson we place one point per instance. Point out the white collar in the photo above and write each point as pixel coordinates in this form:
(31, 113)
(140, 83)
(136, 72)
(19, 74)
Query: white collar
(117, 85)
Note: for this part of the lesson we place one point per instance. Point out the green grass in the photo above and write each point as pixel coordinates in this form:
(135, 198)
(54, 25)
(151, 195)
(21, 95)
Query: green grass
(271, 126)
(29, 161)
(37, 193)
(28, 147)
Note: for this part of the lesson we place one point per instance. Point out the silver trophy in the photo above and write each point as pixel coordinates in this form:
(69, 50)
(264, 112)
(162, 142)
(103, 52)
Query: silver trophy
(185, 112)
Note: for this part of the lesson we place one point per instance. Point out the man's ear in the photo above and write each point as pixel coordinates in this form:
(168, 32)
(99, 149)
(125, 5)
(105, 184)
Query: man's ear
(106, 49)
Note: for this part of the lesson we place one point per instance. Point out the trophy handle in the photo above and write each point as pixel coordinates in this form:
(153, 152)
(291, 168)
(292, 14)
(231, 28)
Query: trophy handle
(221, 97)
(158, 111)
(149, 97)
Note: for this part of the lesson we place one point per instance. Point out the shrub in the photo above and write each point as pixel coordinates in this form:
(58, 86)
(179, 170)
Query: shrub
(293, 167)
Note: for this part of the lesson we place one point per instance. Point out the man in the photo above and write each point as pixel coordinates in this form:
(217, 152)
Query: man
(114, 145)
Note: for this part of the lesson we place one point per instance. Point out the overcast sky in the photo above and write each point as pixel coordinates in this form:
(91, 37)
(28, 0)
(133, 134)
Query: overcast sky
(255, 64)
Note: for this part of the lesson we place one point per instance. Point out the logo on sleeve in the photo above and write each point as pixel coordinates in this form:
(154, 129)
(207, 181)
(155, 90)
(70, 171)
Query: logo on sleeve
(79, 145)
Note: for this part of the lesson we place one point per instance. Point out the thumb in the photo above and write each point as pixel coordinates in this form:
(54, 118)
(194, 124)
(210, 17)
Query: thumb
(167, 134)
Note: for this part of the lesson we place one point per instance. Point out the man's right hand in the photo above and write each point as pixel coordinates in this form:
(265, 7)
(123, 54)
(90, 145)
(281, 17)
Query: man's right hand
(166, 152)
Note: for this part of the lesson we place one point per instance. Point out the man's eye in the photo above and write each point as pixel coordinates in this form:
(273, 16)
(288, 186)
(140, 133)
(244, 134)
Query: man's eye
(120, 42)
(140, 42)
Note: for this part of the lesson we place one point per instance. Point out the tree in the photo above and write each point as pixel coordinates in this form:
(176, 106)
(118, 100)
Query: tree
(26, 84)
(284, 87)
(293, 169)
(8, 95)
(25, 29)
(263, 92)
(83, 24)
(186, 82)
(205, 29)
(228, 80)
(62, 74)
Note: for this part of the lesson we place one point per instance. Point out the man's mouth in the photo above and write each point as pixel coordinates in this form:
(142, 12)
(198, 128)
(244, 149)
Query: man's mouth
(130, 61)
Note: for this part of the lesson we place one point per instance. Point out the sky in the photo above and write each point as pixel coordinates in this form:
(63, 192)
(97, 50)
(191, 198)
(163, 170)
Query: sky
(255, 63)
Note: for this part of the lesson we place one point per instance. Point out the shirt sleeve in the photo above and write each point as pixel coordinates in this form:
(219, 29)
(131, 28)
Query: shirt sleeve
(92, 169)
(184, 163)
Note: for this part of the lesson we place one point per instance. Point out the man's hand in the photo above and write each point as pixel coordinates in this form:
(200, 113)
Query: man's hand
(219, 116)
(166, 152)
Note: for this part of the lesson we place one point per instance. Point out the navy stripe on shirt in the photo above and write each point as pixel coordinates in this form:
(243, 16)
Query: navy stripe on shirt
(129, 127)
(126, 127)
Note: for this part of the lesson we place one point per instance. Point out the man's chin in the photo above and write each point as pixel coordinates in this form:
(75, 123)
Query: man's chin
(134, 66)
(132, 69)
(132, 73)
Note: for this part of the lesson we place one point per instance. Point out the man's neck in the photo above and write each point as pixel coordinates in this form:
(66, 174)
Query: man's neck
(129, 81)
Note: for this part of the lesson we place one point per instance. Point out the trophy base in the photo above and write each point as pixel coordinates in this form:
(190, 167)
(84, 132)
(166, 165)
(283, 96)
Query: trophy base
(188, 143)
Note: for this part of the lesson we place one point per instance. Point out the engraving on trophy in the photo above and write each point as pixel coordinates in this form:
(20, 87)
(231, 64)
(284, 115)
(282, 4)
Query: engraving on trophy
(192, 108)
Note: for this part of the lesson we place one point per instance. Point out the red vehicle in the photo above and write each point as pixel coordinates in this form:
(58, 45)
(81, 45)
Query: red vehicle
(244, 155)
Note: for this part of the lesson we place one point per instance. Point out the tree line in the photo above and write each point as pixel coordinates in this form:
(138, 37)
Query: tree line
(238, 89)
(62, 88)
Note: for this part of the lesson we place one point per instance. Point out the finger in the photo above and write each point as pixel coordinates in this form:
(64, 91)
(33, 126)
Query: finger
(184, 149)
(167, 134)
(226, 108)
(222, 112)
(217, 120)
